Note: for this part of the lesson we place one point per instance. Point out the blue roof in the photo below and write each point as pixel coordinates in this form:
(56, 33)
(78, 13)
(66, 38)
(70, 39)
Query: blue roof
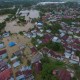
(11, 44)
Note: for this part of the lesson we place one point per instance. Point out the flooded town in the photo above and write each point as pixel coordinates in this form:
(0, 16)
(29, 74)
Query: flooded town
(40, 42)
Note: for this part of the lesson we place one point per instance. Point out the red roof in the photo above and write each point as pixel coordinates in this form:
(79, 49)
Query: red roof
(3, 66)
(77, 41)
(54, 54)
(33, 49)
(2, 51)
(27, 72)
(45, 49)
(37, 67)
(19, 73)
(47, 38)
(5, 75)
(62, 74)
(65, 37)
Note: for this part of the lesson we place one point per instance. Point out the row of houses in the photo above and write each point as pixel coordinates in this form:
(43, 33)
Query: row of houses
(71, 44)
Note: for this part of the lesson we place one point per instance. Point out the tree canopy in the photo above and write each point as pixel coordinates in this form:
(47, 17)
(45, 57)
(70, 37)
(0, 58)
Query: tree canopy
(48, 66)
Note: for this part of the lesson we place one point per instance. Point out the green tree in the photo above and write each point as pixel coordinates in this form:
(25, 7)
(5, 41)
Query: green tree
(2, 25)
(77, 71)
(78, 53)
(55, 46)
(48, 66)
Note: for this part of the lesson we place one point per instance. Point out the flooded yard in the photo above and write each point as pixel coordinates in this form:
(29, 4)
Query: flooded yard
(17, 39)
(20, 40)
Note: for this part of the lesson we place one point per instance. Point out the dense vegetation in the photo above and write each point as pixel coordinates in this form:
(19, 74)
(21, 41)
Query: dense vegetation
(48, 65)
(8, 11)
(2, 25)
(78, 53)
(17, 3)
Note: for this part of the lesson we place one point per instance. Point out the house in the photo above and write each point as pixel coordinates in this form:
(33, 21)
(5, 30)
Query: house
(12, 78)
(62, 34)
(49, 31)
(22, 46)
(65, 37)
(56, 39)
(45, 50)
(37, 57)
(14, 58)
(74, 59)
(37, 67)
(25, 73)
(21, 77)
(41, 30)
(6, 74)
(1, 45)
(52, 20)
(67, 55)
(46, 38)
(33, 35)
(40, 34)
(51, 53)
(6, 34)
(0, 37)
(39, 41)
(19, 52)
(3, 54)
(24, 68)
(39, 24)
(62, 74)
(16, 64)
(33, 50)
(28, 35)
(3, 66)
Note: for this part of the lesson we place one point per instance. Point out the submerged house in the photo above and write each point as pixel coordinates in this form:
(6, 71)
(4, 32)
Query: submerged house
(6, 74)
(25, 73)
(37, 67)
(5, 71)
(3, 54)
(6, 34)
(1, 45)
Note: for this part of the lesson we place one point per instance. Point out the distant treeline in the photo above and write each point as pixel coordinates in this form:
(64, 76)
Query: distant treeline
(17, 3)
(8, 11)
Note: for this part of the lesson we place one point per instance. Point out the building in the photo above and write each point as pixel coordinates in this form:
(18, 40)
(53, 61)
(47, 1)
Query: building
(3, 54)
(62, 74)
(37, 67)
(1, 45)
(33, 50)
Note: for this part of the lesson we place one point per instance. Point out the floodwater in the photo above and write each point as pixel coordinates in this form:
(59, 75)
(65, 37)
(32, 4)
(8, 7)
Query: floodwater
(15, 28)
(2, 18)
